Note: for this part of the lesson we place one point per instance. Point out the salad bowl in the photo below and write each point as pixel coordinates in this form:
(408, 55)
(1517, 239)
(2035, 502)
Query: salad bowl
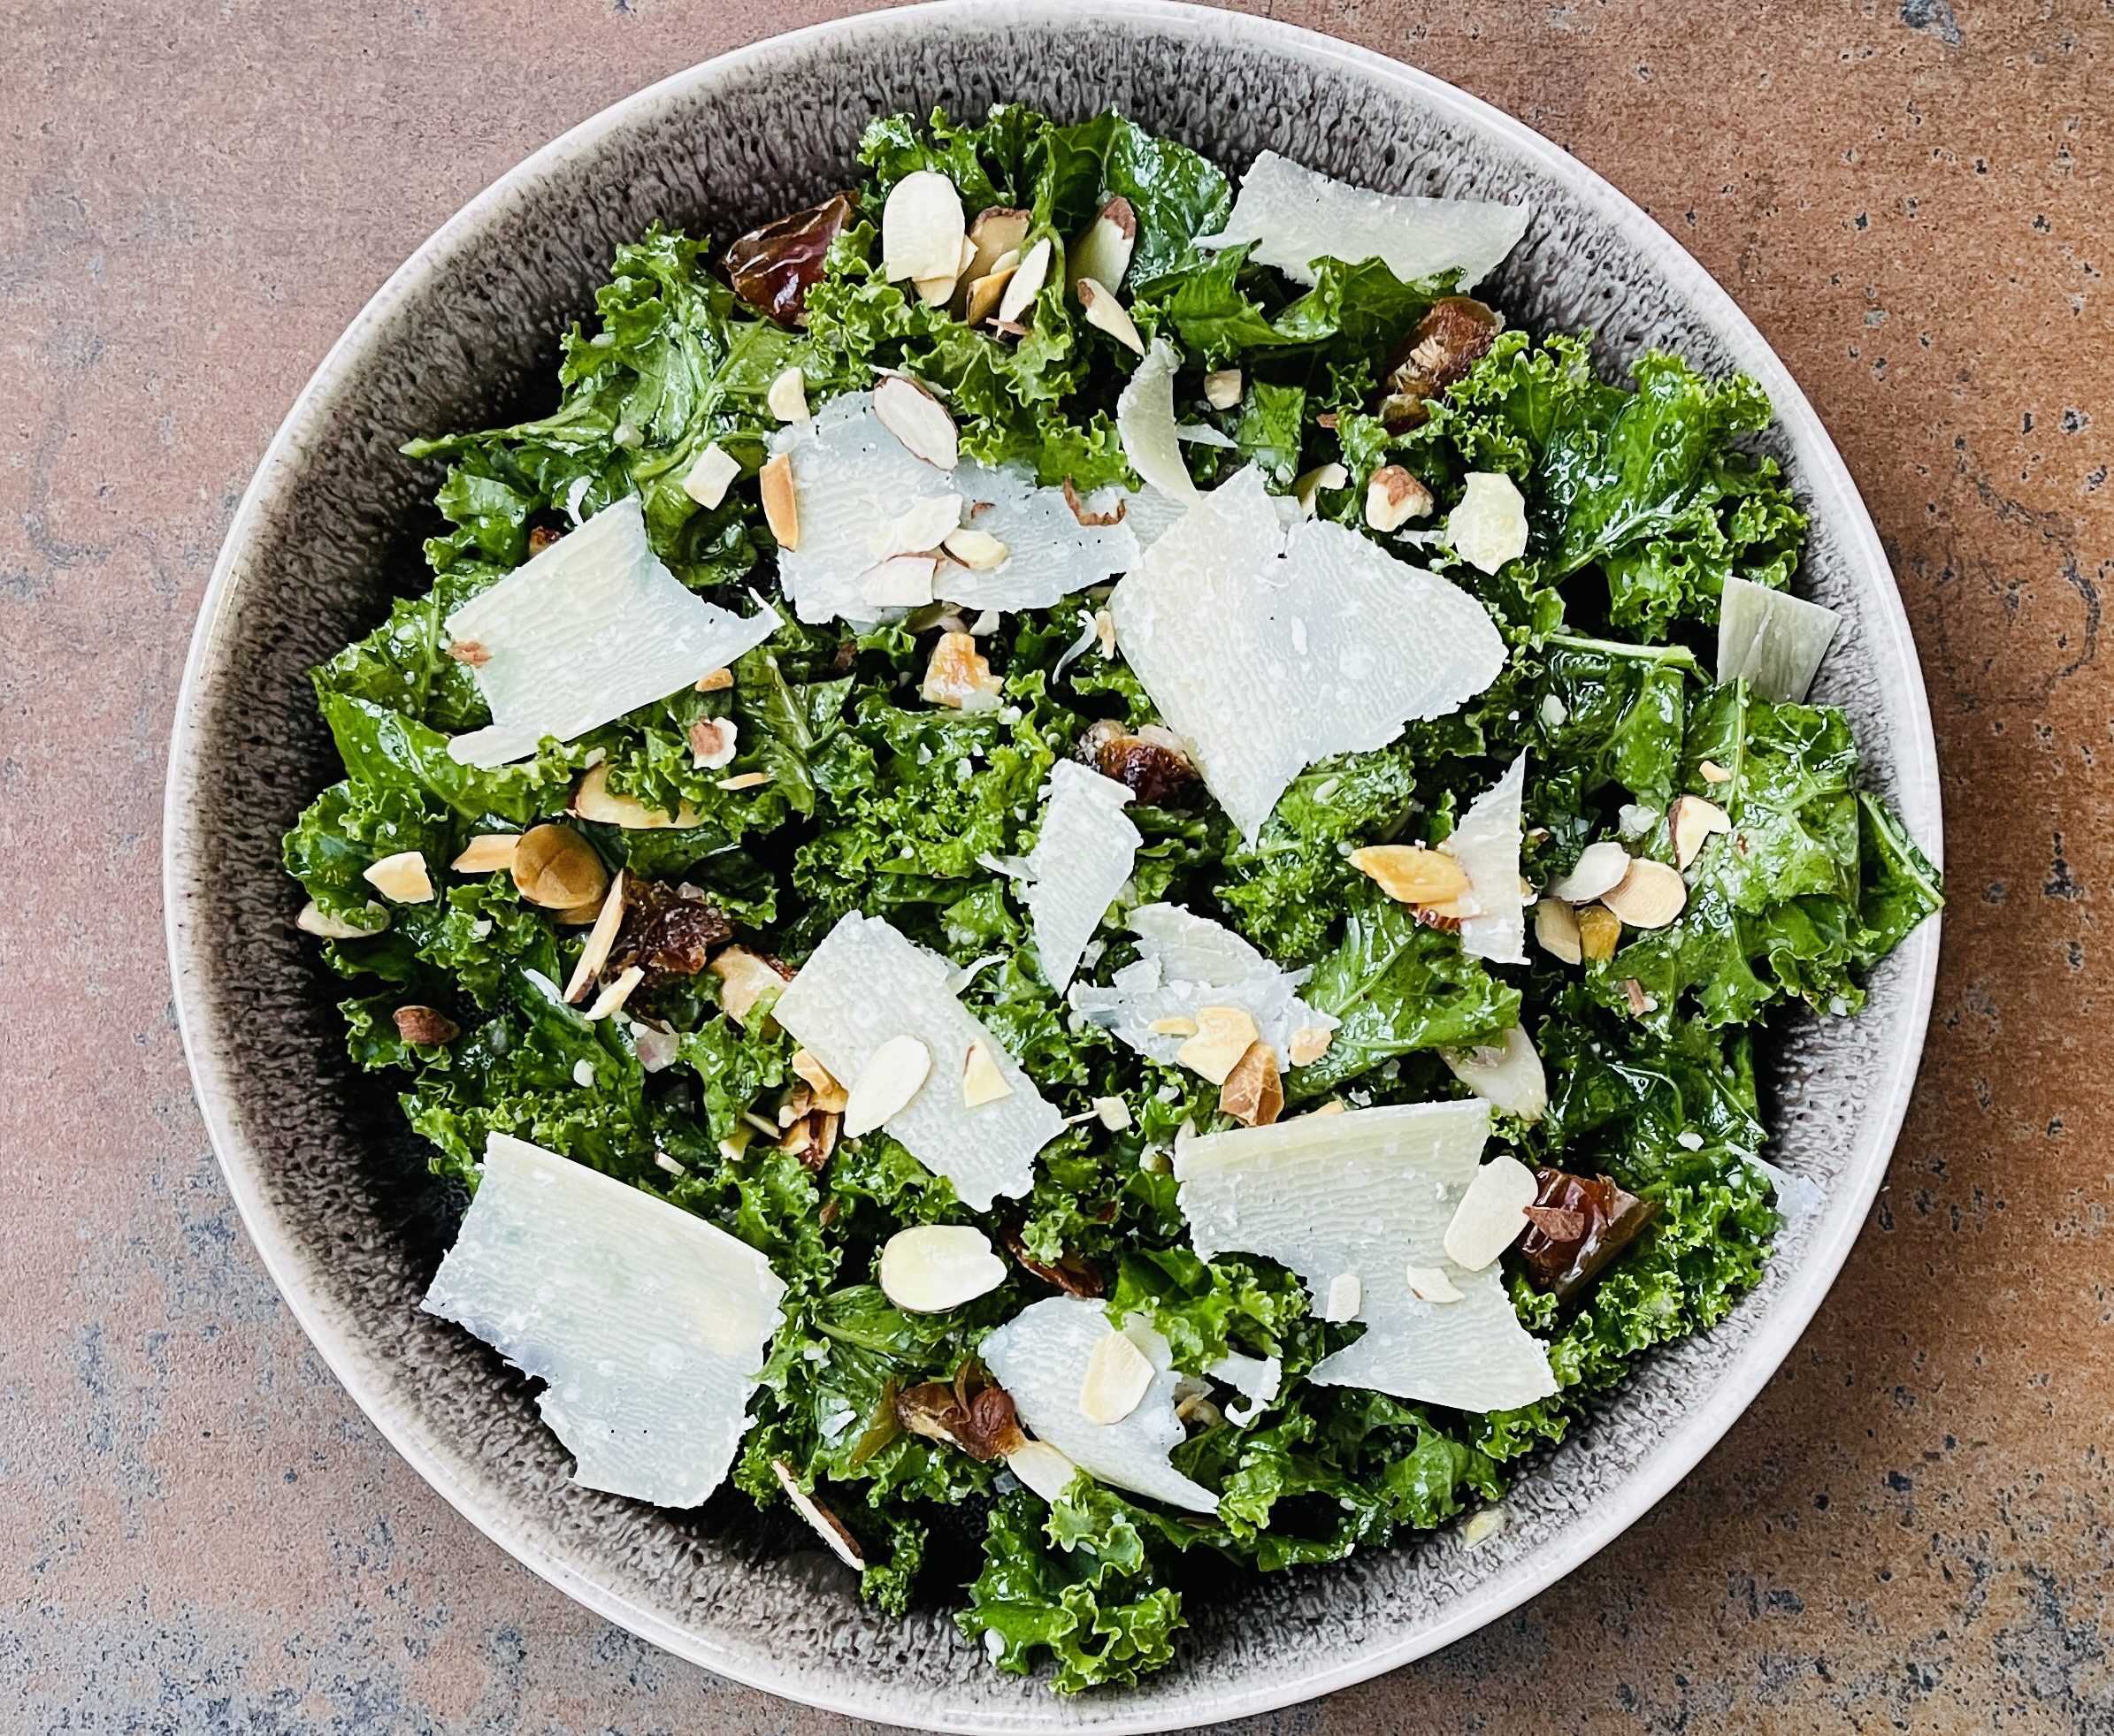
(334, 1191)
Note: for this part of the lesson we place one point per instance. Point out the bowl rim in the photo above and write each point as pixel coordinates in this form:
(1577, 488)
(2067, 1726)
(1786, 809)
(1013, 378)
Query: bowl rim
(1676, 1454)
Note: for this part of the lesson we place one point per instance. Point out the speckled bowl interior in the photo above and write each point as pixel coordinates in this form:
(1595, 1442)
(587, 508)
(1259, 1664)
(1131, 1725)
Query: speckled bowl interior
(334, 1191)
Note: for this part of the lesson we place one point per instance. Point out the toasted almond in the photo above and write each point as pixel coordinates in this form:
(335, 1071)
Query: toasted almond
(826, 1525)
(1106, 314)
(919, 529)
(1253, 1092)
(982, 1082)
(1118, 1376)
(959, 675)
(600, 938)
(1104, 632)
(901, 581)
(998, 231)
(1043, 1469)
(787, 399)
(978, 550)
(593, 799)
(1599, 869)
(920, 421)
(744, 780)
(893, 1074)
(931, 1268)
(1333, 1106)
(937, 291)
(1483, 1524)
(781, 507)
(1089, 519)
(828, 1094)
(1640, 1003)
(1308, 1045)
(711, 474)
(1113, 1113)
(1223, 387)
(1173, 1027)
(425, 1026)
(312, 920)
(745, 979)
(1430, 1283)
(1103, 253)
(1224, 1034)
(615, 994)
(1307, 489)
(1599, 933)
(1506, 1074)
(1393, 497)
(486, 854)
(1343, 1299)
(985, 293)
(401, 878)
(1691, 820)
(1410, 874)
(470, 652)
(1556, 929)
(921, 227)
(715, 681)
(1714, 773)
(1491, 1214)
(713, 742)
(1650, 895)
(1028, 279)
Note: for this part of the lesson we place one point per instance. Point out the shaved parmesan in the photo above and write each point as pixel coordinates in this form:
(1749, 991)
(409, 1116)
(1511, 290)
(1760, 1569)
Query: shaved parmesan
(1296, 216)
(648, 1325)
(1370, 1193)
(1772, 640)
(1145, 418)
(854, 482)
(1080, 862)
(867, 985)
(1185, 964)
(1268, 647)
(1486, 844)
(1256, 1379)
(1488, 526)
(1041, 1357)
(590, 629)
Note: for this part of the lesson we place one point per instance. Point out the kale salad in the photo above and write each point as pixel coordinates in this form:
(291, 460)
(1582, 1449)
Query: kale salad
(1085, 874)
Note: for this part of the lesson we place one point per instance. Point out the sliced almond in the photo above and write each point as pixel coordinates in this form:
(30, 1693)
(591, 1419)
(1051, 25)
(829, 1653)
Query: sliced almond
(312, 920)
(615, 994)
(826, 1525)
(1253, 1092)
(488, 852)
(711, 476)
(1393, 497)
(1173, 1027)
(931, 1268)
(920, 421)
(744, 780)
(1113, 1113)
(1714, 773)
(1223, 388)
(1410, 874)
(1333, 1106)
(919, 529)
(781, 508)
(829, 1095)
(745, 979)
(1223, 1035)
(959, 675)
(1118, 1376)
(787, 399)
(1308, 1045)
(715, 681)
(1028, 279)
(1103, 253)
(600, 938)
(998, 231)
(593, 799)
(1104, 632)
(1640, 1003)
(985, 293)
(1043, 1469)
(982, 1082)
(425, 1025)
(901, 581)
(1307, 489)
(893, 1074)
(1691, 820)
(1650, 895)
(1556, 929)
(1106, 314)
(1088, 518)
(921, 227)
(1430, 1283)
(1492, 1213)
(937, 291)
(1599, 869)
(978, 550)
(402, 878)
(470, 652)
(714, 741)
(1506, 1074)
(1345, 1297)
(1599, 933)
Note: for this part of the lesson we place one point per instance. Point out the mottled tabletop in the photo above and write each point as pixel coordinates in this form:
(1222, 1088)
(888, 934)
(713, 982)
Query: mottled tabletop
(1911, 1530)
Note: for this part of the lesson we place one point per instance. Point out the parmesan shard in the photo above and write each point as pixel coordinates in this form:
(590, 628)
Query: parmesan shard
(1081, 860)
(1145, 420)
(592, 627)
(1486, 844)
(852, 476)
(1256, 1379)
(1041, 1357)
(1185, 964)
(867, 985)
(1371, 1192)
(1268, 647)
(648, 1325)
(1296, 215)
(1772, 640)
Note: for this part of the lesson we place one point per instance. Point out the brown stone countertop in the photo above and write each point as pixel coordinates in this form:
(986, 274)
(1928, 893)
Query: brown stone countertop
(1911, 1530)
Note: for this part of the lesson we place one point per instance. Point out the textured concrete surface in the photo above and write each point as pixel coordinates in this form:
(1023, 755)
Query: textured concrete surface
(1911, 1530)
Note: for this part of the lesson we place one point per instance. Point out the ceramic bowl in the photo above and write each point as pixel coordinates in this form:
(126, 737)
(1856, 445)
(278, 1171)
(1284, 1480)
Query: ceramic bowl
(333, 1187)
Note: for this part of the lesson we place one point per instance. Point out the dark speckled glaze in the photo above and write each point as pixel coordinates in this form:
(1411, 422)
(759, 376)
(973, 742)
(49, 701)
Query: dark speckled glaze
(334, 1191)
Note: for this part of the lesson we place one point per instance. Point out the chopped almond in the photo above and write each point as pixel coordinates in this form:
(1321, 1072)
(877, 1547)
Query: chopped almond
(1691, 820)
(486, 854)
(828, 1093)
(1599, 930)
(1223, 388)
(1253, 1092)
(959, 675)
(781, 508)
(745, 978)
(1224, 1034)
(712, 743)
(425, 1025)
(1410, 874)
(1308, 1045)
(1393, 497)
(402, 878)
(468, 651)
(715, 681)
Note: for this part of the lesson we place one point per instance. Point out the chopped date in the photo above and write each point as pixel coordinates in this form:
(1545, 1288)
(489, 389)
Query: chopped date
(666, 934)
(1576, 1225)
(772, 268)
